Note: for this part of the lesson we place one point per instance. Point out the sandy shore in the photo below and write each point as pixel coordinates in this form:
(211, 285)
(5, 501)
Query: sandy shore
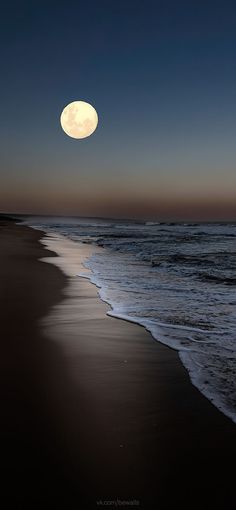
(110, 416)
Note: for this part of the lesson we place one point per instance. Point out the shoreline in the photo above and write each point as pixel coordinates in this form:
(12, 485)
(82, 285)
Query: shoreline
(63, 247)
(104, 428)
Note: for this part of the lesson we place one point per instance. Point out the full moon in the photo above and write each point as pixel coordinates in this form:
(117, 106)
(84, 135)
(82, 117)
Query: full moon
(79, 119)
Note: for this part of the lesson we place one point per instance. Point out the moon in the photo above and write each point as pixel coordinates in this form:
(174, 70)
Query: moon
(79, 119)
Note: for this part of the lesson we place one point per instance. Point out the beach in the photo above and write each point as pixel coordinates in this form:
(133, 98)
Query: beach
(108, 419)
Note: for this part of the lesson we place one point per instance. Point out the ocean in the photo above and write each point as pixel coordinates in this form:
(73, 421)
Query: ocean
(178, 280)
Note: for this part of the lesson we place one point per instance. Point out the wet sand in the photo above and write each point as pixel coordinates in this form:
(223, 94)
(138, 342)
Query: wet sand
(110, 416)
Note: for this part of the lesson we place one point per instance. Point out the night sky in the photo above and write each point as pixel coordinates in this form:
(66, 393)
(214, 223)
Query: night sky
(162, 77)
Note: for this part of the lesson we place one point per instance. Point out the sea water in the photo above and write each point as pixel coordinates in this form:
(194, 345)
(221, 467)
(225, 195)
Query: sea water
(176, 280)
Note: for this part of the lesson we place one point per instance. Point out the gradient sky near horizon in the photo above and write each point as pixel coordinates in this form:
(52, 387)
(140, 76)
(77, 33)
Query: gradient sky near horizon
(162, 77)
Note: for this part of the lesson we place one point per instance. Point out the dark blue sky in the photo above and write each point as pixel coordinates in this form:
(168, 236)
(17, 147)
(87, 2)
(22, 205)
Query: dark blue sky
(162, 76)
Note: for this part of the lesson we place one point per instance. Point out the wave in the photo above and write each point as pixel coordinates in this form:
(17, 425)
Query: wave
(217, 279)
(181, 290)
(211, 366)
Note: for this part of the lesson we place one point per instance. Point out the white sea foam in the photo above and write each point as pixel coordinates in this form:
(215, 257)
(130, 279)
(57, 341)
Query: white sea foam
(186, 299)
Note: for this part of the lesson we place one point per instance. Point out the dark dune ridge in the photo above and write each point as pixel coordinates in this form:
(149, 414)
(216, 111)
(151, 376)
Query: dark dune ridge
(128, 431)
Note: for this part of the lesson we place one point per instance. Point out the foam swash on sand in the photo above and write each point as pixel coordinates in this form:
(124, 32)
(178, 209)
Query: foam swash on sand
(176, 280)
